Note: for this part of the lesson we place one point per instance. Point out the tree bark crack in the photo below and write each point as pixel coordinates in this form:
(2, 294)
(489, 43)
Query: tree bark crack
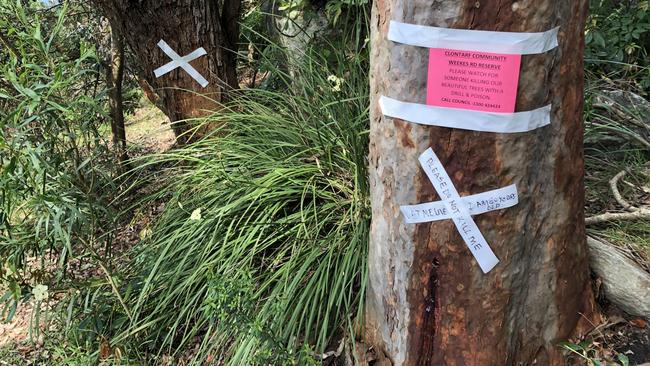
(429, 317)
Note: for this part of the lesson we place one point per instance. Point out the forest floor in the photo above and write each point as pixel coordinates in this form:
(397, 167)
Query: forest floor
(148, 130)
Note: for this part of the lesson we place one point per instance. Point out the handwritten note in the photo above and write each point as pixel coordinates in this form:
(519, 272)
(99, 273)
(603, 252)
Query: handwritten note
(476, 204)
(478, 81)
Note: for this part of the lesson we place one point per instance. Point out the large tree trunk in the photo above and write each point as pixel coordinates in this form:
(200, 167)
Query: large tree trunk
(428, 302)
(185, 25)
(114, 78)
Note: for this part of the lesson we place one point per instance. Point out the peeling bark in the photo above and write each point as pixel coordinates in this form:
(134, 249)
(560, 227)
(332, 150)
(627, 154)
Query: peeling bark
(428, 302)
(185, 25)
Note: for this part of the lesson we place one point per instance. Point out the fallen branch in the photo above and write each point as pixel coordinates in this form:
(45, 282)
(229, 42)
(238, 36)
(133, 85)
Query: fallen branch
(640, 213)
(625, 284)
(613, 184)
(635, 213)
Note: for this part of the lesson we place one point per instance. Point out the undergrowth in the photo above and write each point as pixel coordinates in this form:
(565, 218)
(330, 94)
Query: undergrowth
(260, 254)
(617, 140)
(56, 170)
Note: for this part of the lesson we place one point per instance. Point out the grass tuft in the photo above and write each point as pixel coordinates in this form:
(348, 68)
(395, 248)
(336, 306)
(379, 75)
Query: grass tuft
(260, 254)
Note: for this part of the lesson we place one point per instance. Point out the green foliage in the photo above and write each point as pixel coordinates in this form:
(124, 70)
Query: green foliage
(617, 39)
(259, 257)
(55, 166)
(58, 352)
(335, 8)
(586, 351)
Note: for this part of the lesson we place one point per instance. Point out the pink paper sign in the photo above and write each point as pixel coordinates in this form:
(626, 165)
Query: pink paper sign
(473, 80)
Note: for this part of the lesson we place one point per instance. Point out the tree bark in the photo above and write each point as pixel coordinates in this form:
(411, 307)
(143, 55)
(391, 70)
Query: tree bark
(114, 78)
(185, 25)
(428, 302)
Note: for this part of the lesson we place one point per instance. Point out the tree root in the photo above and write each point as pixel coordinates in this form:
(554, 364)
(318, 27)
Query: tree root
(625, 284)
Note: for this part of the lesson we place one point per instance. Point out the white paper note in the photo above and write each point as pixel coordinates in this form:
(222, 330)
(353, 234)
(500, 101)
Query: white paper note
(476, 204)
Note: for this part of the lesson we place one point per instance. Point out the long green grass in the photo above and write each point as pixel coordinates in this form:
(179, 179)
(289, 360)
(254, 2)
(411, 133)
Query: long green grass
(260, 254)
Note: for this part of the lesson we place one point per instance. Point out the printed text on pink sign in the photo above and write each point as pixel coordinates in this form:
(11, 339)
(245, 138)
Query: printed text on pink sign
(478, 81)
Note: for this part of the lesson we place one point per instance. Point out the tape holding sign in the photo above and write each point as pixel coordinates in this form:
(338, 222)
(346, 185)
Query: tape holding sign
(476, 204)
(512, 43)
(472, 78)
(466, 119)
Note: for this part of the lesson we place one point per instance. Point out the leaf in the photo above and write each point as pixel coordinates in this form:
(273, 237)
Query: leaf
(26, 91)
(639, 323)
(623, 359)
(599, 39)
(196, 215)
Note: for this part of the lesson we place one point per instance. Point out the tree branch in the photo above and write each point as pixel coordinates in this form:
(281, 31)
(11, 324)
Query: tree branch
(641, 213)
(613, 184)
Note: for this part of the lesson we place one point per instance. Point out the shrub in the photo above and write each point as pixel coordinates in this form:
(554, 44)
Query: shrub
(617, 39)
(55, 165)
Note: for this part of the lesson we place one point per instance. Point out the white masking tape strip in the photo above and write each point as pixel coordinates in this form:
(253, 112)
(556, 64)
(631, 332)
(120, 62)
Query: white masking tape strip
(182, 62)
(476, 204)
(466, 119)
(458, 211)
(513, 43)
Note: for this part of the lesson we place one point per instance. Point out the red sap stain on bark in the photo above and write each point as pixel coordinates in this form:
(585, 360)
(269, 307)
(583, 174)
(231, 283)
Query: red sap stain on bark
(431, 313)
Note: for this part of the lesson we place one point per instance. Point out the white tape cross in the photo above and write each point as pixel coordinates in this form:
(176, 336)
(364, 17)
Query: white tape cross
(514, 43)
(477, 204)
(466, 119)
(182, 62)
(458, 211)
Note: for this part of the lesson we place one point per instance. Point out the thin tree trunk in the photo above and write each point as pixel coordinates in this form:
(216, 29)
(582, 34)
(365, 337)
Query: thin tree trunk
(185, 25)
(115, 76)
(428, 302)
(230, 20)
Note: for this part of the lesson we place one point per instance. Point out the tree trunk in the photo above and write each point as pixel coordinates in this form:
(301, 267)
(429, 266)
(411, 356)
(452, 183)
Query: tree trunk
(185, 25)
(428, 302)
(114, 78)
